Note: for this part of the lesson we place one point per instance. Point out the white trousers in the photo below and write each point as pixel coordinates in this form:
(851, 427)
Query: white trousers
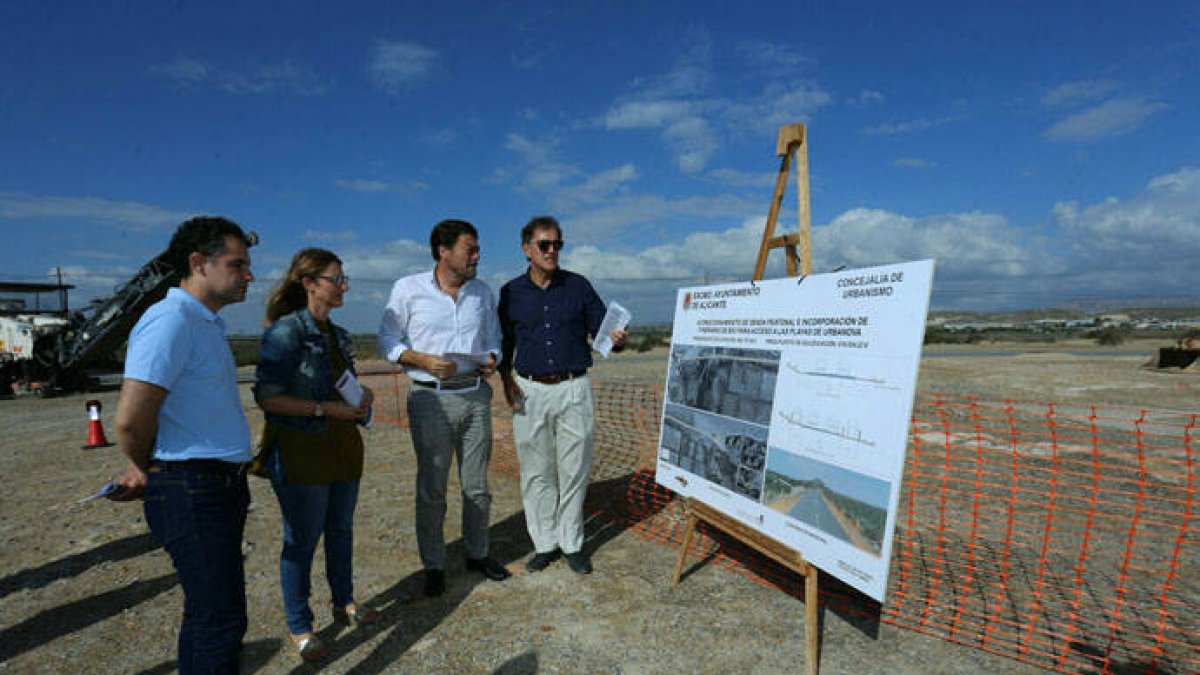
(554, 435)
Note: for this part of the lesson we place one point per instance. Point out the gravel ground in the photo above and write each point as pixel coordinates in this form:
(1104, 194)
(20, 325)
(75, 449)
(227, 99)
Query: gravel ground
(85, 589)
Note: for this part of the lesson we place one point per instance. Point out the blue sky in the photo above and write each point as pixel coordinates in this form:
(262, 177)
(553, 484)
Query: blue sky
(1043, 153)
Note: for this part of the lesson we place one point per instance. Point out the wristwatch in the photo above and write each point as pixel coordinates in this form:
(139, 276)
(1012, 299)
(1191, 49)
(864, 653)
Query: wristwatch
(317, 411)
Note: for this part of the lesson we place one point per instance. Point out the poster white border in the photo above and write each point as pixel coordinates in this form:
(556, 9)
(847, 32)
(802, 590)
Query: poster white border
(788, 405)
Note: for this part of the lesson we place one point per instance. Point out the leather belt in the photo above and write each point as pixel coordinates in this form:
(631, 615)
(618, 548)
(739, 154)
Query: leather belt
(204, 466)
(555, 378)
(446, 386)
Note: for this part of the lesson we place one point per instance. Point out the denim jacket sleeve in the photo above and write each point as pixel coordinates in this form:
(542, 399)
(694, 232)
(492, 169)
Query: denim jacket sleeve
(279, 357)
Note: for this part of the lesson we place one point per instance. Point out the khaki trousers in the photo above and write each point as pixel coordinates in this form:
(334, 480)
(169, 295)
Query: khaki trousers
(554, 438)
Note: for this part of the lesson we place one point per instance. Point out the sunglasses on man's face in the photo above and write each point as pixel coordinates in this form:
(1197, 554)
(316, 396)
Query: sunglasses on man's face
(546, 244)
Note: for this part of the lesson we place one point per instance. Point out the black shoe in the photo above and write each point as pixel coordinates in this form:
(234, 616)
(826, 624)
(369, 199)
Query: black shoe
(490, 568)
(579, 563)
(435, 583)
(541, 561)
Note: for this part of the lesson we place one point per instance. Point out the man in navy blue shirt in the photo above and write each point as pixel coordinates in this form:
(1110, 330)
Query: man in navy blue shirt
(547, 316)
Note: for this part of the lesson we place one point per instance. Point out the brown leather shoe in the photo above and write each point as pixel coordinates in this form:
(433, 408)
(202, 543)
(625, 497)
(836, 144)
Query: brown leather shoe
(489, 568)
(579, 563)
(541, 561)
(310, 647)
(355, 614)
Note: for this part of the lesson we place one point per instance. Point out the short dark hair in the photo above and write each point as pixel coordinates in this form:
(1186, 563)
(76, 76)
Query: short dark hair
(204, 235)
(539, 223)
(446, 233)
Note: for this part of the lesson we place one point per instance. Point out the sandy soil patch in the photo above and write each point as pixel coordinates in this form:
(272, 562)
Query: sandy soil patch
(85, 589)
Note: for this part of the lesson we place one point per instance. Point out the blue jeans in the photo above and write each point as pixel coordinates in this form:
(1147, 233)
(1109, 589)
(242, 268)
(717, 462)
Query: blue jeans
(308, 512)
(198, 515)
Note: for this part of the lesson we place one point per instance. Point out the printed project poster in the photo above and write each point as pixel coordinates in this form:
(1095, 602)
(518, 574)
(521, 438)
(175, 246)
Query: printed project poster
(788, 404)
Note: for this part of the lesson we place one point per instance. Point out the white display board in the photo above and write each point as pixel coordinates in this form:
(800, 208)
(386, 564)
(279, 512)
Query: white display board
(788, 404)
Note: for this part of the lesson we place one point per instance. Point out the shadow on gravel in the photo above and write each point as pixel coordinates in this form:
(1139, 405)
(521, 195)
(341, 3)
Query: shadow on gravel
(607, 512)
(407, 615)
(255, 655)
(52, 624)
(1105, 664)
(72, 565)
(525, 664)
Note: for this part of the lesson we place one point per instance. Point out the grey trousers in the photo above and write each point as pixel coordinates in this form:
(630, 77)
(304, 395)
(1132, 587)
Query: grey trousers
(554, 439)
(446, 427)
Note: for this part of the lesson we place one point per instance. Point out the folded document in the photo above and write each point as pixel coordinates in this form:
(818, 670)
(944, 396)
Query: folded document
(352, 392)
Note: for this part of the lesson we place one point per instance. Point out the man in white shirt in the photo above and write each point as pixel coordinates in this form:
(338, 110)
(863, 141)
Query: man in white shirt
(443, 328)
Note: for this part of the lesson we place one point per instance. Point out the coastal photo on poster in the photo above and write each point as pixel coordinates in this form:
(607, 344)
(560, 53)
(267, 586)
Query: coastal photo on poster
(844, 504)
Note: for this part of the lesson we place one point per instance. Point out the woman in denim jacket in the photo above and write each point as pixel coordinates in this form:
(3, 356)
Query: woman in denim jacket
(314, 450)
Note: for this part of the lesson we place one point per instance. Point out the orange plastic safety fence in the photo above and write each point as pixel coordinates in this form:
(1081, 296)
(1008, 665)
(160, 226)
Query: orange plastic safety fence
(1061, 536)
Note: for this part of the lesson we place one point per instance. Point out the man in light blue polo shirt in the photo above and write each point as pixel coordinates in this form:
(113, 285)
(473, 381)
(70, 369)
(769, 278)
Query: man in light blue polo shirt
(180, 423)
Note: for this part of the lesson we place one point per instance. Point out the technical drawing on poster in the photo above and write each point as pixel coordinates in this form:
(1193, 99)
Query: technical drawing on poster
(834, 407)
(726, 452)
(845, 504)
(724, 380)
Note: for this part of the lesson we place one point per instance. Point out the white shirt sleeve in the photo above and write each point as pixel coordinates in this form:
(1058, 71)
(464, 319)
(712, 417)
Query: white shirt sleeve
(393, 339)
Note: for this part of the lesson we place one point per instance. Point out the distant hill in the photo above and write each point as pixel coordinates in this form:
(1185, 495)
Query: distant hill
(1160, 308)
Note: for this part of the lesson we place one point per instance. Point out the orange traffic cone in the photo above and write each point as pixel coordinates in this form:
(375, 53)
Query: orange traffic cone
(96, 437)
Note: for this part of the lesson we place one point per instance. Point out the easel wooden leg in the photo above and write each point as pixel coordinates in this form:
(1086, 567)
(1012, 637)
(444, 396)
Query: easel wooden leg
(688, 532)
(811, 618)
(698, 511)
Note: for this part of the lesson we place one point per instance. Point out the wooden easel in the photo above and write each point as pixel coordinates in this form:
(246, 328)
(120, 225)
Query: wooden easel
(791, 141)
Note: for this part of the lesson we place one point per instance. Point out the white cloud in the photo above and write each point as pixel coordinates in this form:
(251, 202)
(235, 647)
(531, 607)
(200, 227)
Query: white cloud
(134, 216)
(672, 102)
(742, 179)
(965, 245)
(1110, 119)
(1157, 228)
(691, 122)
(910, 126)
(284, 76)
(440, 137)
(397, 66)
(770, 56)
(729, 253)
(1079, 92)
(594, 188)
(1145, 246)
(692, 141)
(785, 106)
(279, 77)
(91, 283)
(540, 170)
(183, 71)
(342, 236)
(564, 186)
(913, 163)
(865, 98)
(649, 211)
(981, 259)
(362, 185)
(646, 114)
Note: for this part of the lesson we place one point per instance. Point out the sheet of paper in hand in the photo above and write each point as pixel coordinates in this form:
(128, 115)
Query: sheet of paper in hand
(109, 489)
(616, 318)
(352, 392)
